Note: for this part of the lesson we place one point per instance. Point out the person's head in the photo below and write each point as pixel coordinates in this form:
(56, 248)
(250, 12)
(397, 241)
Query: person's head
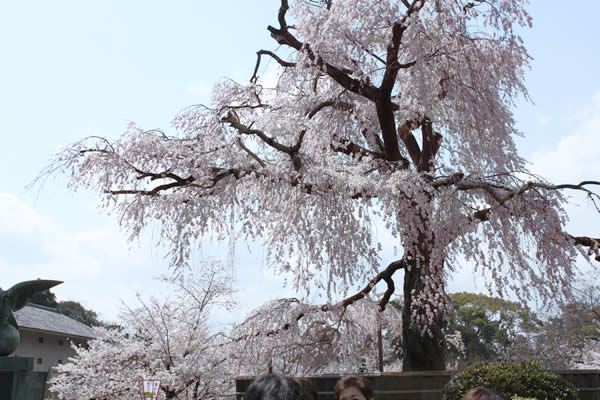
(308, 385)
(276, 387)
(481, 393)
(353, 388)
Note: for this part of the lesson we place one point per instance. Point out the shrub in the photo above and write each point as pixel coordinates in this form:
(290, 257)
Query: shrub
(509, 380)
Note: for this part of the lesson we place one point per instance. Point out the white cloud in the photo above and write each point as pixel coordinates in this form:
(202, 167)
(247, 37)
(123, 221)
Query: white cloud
(101, 269)
(96, 265)
(576, 155)
(575, 158)
(16, 217)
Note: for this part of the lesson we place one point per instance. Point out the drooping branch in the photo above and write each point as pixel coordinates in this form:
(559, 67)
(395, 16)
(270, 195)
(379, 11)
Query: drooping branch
(109, 151)
(580, 186)
(504, 194)
(176, 180)
(346, 147)
(385, 275)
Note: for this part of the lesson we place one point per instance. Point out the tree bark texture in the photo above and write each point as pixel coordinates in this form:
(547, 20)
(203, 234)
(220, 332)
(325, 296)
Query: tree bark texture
(420, 352)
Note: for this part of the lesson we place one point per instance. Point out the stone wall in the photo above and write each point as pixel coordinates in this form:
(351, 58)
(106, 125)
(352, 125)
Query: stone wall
(428, 385)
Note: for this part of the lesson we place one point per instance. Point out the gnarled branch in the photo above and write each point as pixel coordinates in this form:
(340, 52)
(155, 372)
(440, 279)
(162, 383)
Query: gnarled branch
(274, 56)
(385, 275)
(234, 121)
(383, 101)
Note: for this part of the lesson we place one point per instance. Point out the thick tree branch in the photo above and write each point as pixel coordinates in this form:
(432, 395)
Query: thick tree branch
(410, 143)
(282, 35)
(218, 175)
(234, 121)
(292, 151)
(503, 194)
(153, 192)
(336, 104)
(385, 275)
(373, 137)
(352, 149)
(340, 75)
(383, 102)
(381, 96)
(431, 141)
(447, 180)
(593, 245)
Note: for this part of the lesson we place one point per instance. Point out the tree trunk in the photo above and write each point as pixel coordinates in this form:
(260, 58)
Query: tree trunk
(420, 352)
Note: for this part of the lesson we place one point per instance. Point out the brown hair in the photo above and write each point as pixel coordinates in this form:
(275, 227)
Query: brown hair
(359, 382)
(481, 393)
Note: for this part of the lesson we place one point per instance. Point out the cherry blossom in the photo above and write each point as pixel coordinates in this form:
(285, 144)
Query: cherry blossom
(393, 114)
(166, 339)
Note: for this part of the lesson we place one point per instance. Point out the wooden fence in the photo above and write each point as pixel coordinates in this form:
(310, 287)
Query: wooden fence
(427, 385)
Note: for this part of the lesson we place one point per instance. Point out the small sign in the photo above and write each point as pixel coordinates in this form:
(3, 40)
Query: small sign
(149, 389)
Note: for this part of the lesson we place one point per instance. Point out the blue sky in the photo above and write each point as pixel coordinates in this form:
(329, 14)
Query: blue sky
(71, 69)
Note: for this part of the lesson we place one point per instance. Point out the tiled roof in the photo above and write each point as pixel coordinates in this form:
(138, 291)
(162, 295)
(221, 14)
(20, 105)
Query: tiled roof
(47, 319)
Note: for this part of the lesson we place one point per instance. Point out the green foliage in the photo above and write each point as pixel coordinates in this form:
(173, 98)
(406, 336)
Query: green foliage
(79, 313)
(510, 380)
(583, 318)
(71, 309)
(488, 325)
(45, 298)
(564, 339)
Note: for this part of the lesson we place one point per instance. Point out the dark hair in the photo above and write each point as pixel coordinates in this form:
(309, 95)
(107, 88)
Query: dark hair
(481, 393)
(359, 382)
(308, 385)
(276, 387)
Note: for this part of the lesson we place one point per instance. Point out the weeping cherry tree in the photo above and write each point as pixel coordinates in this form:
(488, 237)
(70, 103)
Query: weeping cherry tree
(387, 113)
